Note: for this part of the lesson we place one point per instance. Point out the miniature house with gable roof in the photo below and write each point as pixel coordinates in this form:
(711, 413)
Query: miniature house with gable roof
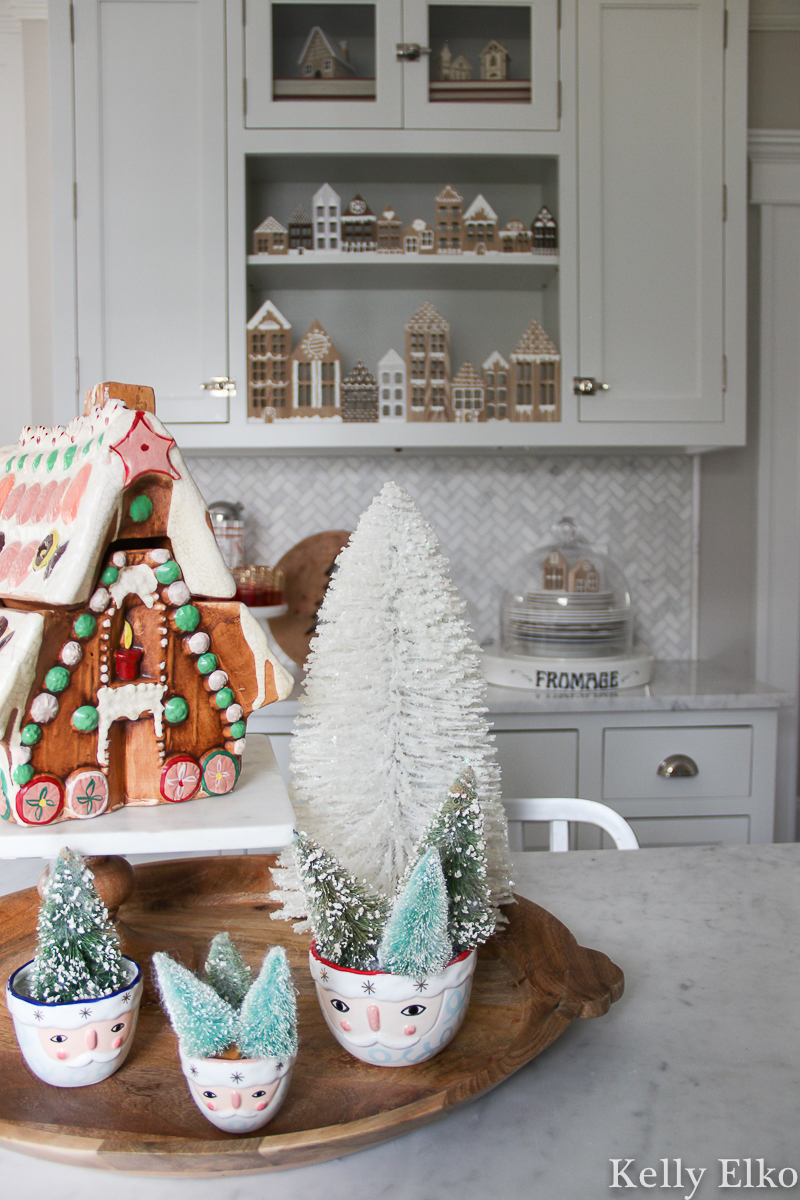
(535, 377)
(127, 669)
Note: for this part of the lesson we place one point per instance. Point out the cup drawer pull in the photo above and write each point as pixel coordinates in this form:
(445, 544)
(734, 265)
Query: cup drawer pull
(677, 766)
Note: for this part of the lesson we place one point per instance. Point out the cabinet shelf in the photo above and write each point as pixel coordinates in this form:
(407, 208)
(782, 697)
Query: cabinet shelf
(371, 269)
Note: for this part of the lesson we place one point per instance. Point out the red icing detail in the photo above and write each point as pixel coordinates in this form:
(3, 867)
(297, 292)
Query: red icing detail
(5, 489)
(22, 564)
(40, 801)
(126, 662)
(7, 558)
(29, 502)
(180, 778)
(55, 503)
(13, 501)
(144, 451)
(71, 502)
(45, 496)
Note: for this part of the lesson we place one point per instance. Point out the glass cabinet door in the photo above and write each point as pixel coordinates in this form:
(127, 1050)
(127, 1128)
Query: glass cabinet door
(322, 65)
(492, 64)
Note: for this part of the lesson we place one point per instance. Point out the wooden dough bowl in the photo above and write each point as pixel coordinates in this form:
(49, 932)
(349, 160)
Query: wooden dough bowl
(532, 980)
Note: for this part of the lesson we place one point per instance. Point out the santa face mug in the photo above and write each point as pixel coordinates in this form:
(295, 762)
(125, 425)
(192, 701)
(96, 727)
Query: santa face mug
(393, 1020)
(237, 1095)
(78, 1042)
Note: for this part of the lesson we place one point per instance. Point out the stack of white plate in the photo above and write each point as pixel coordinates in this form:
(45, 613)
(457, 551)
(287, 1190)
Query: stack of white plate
(566, 625)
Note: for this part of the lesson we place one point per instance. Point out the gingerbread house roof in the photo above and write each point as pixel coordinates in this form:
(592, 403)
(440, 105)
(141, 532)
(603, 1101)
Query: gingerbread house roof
(361, 211)
(544, 217)
(360, 378)
(389, 214)
(467, 376)
(535, 343)
(427, 318)
(65, 492)
(513, 226)
(326, 194)
(316, 345)
(480, 210)
(391, 359)
(331, 45)
(494, 47)
(495, 360)
(449, 194)
(300, 216)
(268, 317)
(270, 226)
(418, 226)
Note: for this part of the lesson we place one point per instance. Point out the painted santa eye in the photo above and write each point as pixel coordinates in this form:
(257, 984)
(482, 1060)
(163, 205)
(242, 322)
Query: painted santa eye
(58, 1038)
(340, 1006)
(257, 1095)
(413, 1010)
(116, 1028)
(210, 1095)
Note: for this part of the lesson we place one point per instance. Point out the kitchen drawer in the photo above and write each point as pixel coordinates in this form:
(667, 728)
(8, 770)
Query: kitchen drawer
(541, 763)
(691, 831)
(723, 754)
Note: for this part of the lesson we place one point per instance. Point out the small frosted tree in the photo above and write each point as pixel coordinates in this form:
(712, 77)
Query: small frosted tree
(415, 941)
(226, 971)
(203, 1021)
(457, 833)
(346, 916)
(267, 1023)
(78, 955)
(394, 708)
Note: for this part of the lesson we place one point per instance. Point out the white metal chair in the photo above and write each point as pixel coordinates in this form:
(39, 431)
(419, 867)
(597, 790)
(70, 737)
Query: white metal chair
(560, 811)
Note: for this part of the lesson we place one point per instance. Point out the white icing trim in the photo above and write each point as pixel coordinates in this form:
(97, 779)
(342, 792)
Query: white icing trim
(99, 600)
(257, 640)
(130, 702)
(138, 580)
(194, 545)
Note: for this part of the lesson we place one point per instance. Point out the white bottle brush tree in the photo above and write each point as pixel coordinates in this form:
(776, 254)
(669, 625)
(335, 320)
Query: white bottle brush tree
(393, 709)
(78, 955)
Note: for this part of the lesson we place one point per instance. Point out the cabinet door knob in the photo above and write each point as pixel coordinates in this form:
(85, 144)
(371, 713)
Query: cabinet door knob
(587, 385)
(411, 51)
(219, 385)
(677, 766)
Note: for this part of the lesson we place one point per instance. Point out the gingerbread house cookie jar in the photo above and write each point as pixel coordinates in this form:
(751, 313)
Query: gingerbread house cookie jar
(127, 670)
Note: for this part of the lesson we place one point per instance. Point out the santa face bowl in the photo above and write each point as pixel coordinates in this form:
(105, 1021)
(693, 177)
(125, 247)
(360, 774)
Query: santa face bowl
(237, 1095)
(393, 1020)
(79, 1042)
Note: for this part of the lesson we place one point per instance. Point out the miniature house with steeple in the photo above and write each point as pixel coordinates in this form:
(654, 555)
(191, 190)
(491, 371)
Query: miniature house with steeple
(127, 669)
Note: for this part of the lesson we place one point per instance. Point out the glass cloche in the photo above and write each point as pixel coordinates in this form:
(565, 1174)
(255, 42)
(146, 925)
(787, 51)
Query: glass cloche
(567, 600)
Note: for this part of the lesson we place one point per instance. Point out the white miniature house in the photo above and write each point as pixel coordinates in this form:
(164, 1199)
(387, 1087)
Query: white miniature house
(392, 387)
(327, 213)
(495, 375)
(480, 226)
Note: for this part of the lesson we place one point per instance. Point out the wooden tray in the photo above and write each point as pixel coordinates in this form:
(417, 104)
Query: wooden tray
(532, 980)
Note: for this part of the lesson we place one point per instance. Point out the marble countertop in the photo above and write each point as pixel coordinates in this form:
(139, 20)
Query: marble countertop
(699, 1060)
(675, 687)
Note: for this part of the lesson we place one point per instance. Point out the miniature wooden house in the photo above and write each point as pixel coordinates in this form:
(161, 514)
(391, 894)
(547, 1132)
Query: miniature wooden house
(480, 227)
(301, 231)
(270, 238)
(392, 380)
(428, 365)
(555, 572)
(390, 232)
(495, 61)
(449, 221)
(495, 377)
(359, 395)
(269, 344)
(323, 57)
(468, 391)
(515, 238)
(584, 577)
(545, 232)
(127, 669)
(359, 226)
(327, 212)
(449, 69)
(419, 238)
(535, 377)
(316, 367)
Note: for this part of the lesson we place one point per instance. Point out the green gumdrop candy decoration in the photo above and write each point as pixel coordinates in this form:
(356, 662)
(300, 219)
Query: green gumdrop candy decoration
(110, 575)
(85, 625)
(238, 729)
(187, 618)
(176, 710)
(56, 679)
(86, 718)
(31, 734)
(207, 663)
(168, 572)
(23, 774)
(141, 509)
(224, 697)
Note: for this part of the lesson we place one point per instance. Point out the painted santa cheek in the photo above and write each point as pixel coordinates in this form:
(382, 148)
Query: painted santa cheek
(117, 1042)
(91, 1039)
(346, 1026)
(210, 1104)
(409, 1029)
(261, 1106)
(374, 1017)
(61, 1054)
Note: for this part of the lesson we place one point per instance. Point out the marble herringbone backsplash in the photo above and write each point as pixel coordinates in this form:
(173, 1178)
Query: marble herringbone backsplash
(489, 512)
